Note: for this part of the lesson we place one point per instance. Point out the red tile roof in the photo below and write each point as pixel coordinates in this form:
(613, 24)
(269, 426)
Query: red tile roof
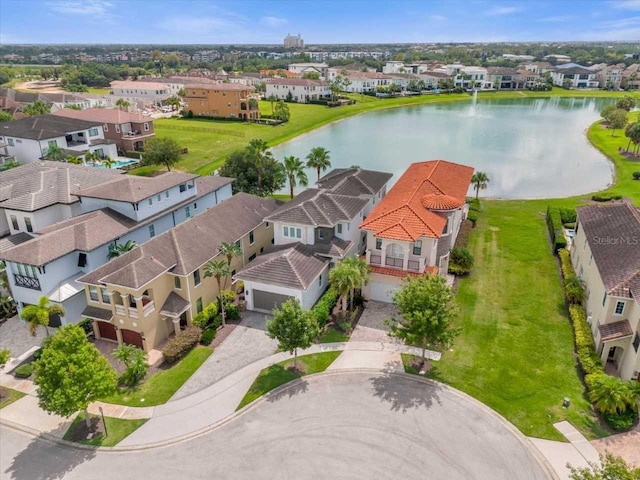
(104, 115)
(410, 209)
(394, 272)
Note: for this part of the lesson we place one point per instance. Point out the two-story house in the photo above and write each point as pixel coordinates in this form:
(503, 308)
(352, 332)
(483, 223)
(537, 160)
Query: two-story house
(606, 256)
(140, 94)
(502, 78)
(129, 131)
(126, 208)
(222, 100)
(299, 90)
(29, 139)
(314, 230)
(572, 75)
(150, 293)
(413, 229)
(38, 194)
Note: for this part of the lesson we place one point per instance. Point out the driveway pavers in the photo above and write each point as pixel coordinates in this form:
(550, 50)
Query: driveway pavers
(15, 336)
(371, 327)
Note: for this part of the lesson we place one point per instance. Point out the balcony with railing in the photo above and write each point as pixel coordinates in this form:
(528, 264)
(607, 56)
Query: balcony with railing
(26, 282)
(413, 264)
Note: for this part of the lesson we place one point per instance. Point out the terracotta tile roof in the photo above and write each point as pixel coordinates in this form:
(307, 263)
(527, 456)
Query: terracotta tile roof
(219, 86)
(402, 215)
(394, 272)
(104, 115)
(615, 330)
(303, 82)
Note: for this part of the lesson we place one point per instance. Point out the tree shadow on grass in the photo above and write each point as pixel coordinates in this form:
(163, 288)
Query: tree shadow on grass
(43, 459)
(404, 393)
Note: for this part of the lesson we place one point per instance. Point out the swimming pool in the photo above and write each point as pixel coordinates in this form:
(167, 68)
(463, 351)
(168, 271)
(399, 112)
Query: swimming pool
(118, 163)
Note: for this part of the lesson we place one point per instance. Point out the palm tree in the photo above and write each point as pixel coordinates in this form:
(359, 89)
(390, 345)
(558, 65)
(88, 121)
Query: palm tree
(294, 170)
(359, 273)
(610, 394)
(230, 250)
(341, 280)
(272, 99)
(218, 270)
(108, 162)
(480, 181)
(39, 314)
(122, 103)
(7, 306)
(115, 249)
(319, 159)
(74, 159)
(92, 157)
(258, 152)
(173, 102)
(54, 153)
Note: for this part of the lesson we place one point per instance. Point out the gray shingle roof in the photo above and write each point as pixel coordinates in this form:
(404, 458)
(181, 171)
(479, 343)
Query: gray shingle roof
(42, 127)
(97, 313)
(11, 241)
(613, 234)
(41, 184)
(319, 208)
(292, 266)
(336, 248)
(354, 182)
(187, 246)
(174, 305)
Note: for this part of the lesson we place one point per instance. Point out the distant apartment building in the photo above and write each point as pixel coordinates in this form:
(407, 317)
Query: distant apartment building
(394, 66)
(608, 76)
(222, 100)
(292, 42)
(466, 77)
(297, 89)
(559, 58)
(205, 56)
(631, 77)
(141, 93)
(129, 131)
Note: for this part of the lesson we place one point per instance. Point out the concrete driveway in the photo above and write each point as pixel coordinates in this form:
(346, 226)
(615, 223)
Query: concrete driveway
(14, 335)
(341, 425)
(247, 343)
(371, 327)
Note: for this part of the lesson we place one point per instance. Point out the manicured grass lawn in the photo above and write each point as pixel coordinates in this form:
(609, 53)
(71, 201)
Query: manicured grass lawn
(406, 363)
(100, 91)
(9, 396)
(333, 335)
(278, 374)
(284, 197)
(159, 388)
(117, 430)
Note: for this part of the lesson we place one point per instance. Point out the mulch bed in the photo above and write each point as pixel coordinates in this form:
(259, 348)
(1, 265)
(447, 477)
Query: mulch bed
(629, 156)
(222, 334)
(417, 364)
(300, 369)
(80, 432)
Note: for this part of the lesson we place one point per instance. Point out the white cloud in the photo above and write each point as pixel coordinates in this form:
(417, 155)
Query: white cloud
(437, 18)
(621, 23)
(87, 7)
(497, 11)
(273, 21)
(626, 4)
(557, 19)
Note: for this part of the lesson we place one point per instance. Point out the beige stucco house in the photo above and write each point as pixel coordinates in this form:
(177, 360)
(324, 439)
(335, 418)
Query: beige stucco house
(606, 256)
(151, 292)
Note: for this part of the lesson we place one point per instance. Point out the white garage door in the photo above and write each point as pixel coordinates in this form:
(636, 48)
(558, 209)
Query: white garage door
(381, 292)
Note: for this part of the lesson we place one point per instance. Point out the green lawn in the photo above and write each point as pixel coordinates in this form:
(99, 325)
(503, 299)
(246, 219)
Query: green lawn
(278, 374)
(100, 91)
(406, 363)
(333, 335)
(117, 430)
(159, 388)
(9, 396)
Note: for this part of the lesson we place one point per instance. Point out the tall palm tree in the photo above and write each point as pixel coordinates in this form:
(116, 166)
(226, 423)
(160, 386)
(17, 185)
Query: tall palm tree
(230, 250)
(294, 170)
(359, 272)
(117, 249)
(480, 181)
(39, 314)
(122, 104)
(258, 152)
(319, 159)
(341, 280)
(92, 157)
(54, 153)
(217, 270)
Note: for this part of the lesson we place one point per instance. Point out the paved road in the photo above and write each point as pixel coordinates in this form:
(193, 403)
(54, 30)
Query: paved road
(334, 426)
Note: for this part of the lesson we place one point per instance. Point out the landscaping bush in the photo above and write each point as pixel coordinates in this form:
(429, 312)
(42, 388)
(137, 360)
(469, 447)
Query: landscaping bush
(554, 224)
(179, 346)
(5, 355)
(460, 262)
(605, 197)
(588, 359)
(568, 215)
(207, 336)
(135, 362)
(570, 225)
(203, 319)
(473, 217)
(232, 312)
(565, 263)
(87, 326)
(37, 354)
(133, 154)
(621, 421)
(24, 371)
(474, 204)
(322, 309)
(636, 175)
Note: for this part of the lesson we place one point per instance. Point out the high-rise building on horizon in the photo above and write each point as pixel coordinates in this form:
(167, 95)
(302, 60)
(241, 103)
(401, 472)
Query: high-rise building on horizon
(293, 42)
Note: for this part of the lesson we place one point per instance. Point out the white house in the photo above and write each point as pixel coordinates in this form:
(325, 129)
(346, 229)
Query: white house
(302, 68)
(141, 93)
(297, 89)
(573, 75)
(29, 139)
(362, 82)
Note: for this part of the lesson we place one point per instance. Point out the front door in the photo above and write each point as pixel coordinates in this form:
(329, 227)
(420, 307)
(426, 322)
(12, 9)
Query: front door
(612, 354)
(183, 321)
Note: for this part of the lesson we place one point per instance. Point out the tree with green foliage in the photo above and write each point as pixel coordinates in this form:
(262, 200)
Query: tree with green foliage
(610, 394)
(311, 76)
(5, 355)
(36, 108)
(610, 468)
(6, 116)
(480, 181)
(348, 275)
(319, 159)
(617, 120)
(218, 269)
(243, 169)
(427, 309)
(258, 153)
(293, 327)
(161, 151)
(108, 162)
(606, 112)
(632, 132)
(626, 103)
(71, 373)
(574, 289)
(117, 249)
(9, 164)
(122, 104)
(294, 170)
(54, 153)
(39, 315)
(230, 250)
(272, 100)
(135, 363)
(282, 111)
(182, 92)
(74, 160)
(173, 101)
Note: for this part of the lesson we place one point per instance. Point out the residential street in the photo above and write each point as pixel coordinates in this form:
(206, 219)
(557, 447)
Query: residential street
(368, 425)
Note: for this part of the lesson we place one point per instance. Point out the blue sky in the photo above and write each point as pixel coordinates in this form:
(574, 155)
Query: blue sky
(319, 21)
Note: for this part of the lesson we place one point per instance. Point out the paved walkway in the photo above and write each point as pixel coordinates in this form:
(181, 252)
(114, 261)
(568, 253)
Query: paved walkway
(14, 335)
(371, 326)
(625, 445)
(247, 343)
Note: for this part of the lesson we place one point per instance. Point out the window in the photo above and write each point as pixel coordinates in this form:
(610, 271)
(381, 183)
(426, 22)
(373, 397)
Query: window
(105, 127)
(196, 278)
(417, 247)
(267, 224)
(14, 222)
(158, 198)
(636, 341)
(252, 257)
(176, 283)
(320, 234)
(105, 295)
(339, 228)
(619, 308)
(146, 127)
(604, 298)
(183, 188)
(199, 305)
(10, 141)
(152, 230)
(251, 238)
(446, 227)
(378, 244)
(93, 132)
(187, 212)
(117, 128)
(166, 194)
(238, 243)
(320, 281)
(27, 223)
(261, 249)
(285, 231)
(93, 293)
(190, 185)
(82, 259)
(195, 206)
(151, 201)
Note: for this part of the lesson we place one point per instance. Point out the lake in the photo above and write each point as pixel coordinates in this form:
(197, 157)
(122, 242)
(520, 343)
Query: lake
(529, 148)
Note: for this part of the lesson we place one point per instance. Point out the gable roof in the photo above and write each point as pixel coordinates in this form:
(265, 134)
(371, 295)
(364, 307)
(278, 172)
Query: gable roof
(303, 82)
(40, 184)
(104, 115)
(293, 266)
(187, 246)
(354, 181)
(613, 234)
(42, 127)
(410, 209)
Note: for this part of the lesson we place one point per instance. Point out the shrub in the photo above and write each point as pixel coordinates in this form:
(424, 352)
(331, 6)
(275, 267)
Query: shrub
(86, 325)
(207, 336)
(461, 261)
(636, 175)
(473, 217)
(570, 225)
(206, 316)
(5, 355)
(232, 312)
(322, 309)
(603, 197)
(37, 354)
(474, 204)
(621, 421)
(585, 348)
(568, 215)
(24, 371)
(135, 362)
(179, 346)
(554, 224)
(565, 263)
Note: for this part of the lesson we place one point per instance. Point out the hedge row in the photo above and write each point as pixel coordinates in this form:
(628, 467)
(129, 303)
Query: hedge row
(603, 197)
(588, 359)
(565, 264)
(554, 224)
(179, 346)
(568, 215)
(322, 309)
